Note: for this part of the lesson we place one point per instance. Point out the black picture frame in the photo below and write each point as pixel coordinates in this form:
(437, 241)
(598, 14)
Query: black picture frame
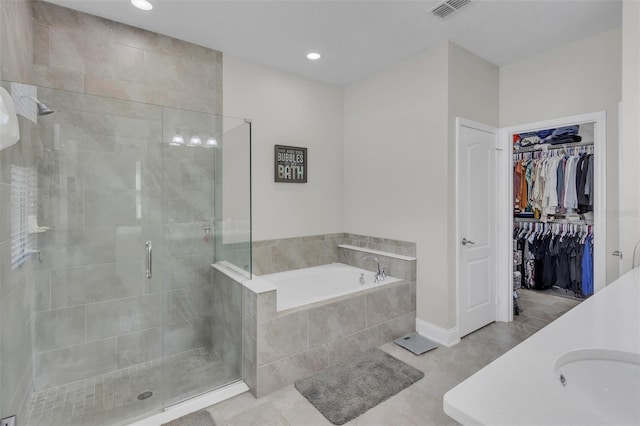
(290, 164)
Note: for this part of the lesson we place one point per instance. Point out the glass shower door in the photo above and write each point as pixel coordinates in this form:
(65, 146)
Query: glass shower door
(106, 329)
(99, 320)
(200, 331)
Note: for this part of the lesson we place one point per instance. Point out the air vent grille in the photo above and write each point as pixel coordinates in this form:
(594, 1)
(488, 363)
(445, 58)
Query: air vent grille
(448, 7)
(457, 4)
(443, 10)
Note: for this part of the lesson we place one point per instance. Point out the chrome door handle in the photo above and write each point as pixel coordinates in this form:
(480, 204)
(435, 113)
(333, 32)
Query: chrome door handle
(465, 242)
(149, 259)
(617, 253)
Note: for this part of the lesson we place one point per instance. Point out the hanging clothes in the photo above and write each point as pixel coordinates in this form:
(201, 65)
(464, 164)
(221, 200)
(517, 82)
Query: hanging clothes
(553, 181)
(553, 255)
(587, 267)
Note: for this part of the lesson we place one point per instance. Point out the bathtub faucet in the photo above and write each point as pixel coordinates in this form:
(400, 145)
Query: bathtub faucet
(380, 275)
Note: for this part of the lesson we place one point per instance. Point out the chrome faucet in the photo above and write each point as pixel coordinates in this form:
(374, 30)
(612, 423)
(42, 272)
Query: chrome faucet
(380, 275)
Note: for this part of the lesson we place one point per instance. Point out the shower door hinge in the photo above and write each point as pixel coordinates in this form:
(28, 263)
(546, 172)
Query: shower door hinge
(8, 421)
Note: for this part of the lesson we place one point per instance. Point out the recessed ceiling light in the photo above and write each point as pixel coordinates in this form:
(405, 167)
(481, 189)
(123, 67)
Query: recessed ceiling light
(314, 56)
(142, 4)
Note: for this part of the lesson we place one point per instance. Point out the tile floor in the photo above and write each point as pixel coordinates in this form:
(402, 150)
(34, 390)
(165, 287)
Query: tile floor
(421, 403)
(111, 399)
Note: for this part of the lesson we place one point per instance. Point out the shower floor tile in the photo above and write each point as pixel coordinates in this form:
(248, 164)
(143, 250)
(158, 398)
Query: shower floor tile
(111, 399)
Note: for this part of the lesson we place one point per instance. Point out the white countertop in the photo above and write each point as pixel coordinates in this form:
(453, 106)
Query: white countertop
(521, 386)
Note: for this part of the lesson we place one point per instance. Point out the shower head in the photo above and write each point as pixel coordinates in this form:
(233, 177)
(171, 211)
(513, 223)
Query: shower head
(42, 108)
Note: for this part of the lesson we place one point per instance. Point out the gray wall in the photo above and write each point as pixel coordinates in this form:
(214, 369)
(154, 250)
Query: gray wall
(16, 287)
(414, 104)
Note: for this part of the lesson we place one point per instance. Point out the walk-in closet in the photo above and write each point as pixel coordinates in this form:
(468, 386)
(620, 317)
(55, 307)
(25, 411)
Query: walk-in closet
(556, 179)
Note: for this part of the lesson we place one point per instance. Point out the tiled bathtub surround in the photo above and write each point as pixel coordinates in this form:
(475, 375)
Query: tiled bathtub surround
(227, 318)
(270, 256)
(282, 347)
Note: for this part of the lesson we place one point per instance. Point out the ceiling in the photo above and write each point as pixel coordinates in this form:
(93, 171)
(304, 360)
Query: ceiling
(360, 38)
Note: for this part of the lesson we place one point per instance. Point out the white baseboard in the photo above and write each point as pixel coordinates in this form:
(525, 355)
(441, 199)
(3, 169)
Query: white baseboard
(438, 334)
(192, 405)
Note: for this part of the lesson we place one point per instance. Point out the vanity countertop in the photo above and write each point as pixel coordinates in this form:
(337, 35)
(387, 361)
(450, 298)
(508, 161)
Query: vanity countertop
(522, 387)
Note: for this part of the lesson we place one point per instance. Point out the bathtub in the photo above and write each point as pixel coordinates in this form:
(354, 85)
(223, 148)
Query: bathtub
(319, 283)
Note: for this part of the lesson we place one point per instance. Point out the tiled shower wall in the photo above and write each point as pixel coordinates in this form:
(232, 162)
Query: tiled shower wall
(16, 41)
(100, 175)
(103, 191)
(105, 195)
(16, 287)
(84, 53)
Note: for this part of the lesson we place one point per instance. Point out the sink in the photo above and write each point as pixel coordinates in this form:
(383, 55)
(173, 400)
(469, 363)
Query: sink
(604, 381)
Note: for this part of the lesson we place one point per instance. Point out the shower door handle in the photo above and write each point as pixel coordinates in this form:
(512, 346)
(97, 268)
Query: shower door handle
(149, 259)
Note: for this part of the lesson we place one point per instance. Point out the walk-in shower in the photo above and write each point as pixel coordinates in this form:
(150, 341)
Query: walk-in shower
(118, 319)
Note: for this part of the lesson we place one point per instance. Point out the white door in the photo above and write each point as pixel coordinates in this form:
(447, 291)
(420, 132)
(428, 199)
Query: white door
(476, 218)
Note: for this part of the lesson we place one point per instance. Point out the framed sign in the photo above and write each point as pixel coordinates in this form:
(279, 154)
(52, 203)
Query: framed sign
(290, 164)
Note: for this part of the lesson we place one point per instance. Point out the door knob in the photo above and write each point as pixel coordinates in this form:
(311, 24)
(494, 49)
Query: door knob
(465, 242)
(617, 253)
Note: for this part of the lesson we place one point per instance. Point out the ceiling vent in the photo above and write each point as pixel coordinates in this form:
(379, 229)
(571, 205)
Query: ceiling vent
(448, 7)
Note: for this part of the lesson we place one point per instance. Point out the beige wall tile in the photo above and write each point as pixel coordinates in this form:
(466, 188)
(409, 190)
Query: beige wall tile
(348, 347)
(16, 41)
(40, 44)
(136, 37)
(282, 337)
(58, 78)
(73, 51)
(281, 373)
(397, 327)
(266, 306)
(59, 328)
(388, 303)
(330, 322)
(79, 362)
(91, 26)
(68, 50)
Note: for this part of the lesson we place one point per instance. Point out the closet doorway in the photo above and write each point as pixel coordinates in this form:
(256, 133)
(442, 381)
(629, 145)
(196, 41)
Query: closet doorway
(475, 224)
(547, 221)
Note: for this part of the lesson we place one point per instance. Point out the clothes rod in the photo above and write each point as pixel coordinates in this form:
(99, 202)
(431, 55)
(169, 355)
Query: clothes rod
(549, 147)
(569, 221)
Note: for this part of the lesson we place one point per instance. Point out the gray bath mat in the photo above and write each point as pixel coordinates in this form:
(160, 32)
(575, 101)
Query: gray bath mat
(199, 418)
(343, 392)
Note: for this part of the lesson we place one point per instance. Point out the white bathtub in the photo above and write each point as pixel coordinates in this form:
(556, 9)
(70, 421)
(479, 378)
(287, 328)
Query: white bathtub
(309, 285)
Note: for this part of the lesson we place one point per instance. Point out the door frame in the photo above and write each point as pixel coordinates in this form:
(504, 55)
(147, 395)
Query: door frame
(462, 122)
(505, 204)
